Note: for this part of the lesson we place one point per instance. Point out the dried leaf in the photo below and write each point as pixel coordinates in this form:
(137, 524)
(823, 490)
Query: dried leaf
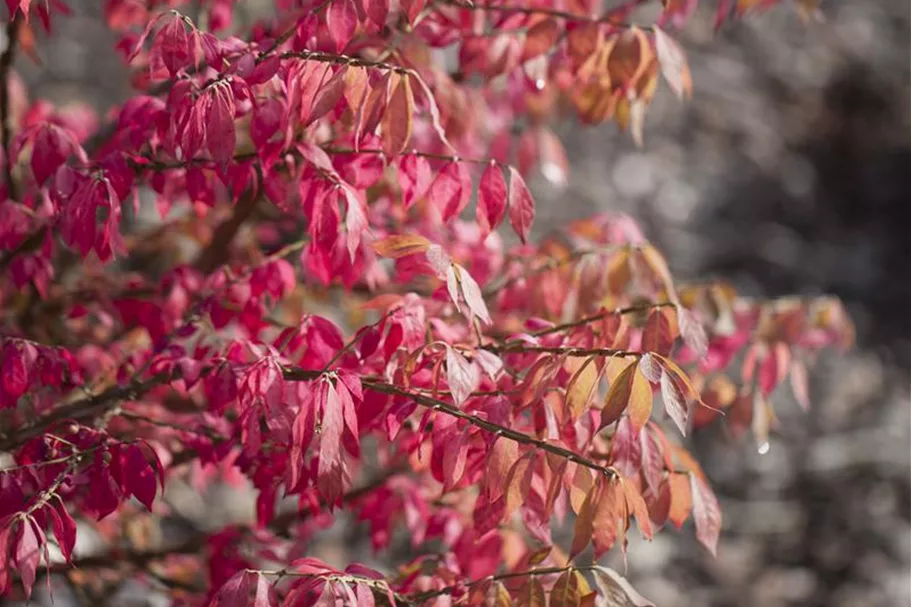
(674, 66)
(616, 591)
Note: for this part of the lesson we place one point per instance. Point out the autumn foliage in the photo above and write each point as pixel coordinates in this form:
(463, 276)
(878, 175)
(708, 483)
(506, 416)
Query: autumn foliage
(328, 303)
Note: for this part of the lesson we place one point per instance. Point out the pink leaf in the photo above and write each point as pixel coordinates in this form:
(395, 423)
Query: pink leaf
(220, 134)
(341, 19)
(330, 474)
(461, 375)
(415, 178)
(64, 529)
(234, 593)
(451, 190)
(706, 514)
(28, 552)
(473, 296)
(521, 205)
(491, 199)
(139, 478)
(674, 401)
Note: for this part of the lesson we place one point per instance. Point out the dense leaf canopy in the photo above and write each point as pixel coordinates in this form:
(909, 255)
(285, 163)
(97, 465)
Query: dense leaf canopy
(328, 303)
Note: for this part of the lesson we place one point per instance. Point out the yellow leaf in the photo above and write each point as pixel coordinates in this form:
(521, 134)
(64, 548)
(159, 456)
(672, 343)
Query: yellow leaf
(582, 385)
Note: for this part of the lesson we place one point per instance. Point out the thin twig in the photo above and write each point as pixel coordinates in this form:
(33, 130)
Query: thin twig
(6, 127)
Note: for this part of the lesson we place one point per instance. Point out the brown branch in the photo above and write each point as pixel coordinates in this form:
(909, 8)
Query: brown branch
(600, 315)
(420, 597)
(81, 409)
(28, 244)
(6, 128)
(521, 347)
(532, 10)
(211, 257)
(509, 433)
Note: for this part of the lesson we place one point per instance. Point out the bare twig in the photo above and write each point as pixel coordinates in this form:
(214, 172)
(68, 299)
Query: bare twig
(6, 127)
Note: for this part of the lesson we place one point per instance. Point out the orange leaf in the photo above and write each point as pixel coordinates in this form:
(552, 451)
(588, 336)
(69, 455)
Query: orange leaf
(540, 38)
(580, 488)
(610, 510)
(566, 591)
(656, 263)
(582, 533)
(681, 499)
(618, 396)
(398, 118)
(636, 506)
(503, 456)
(660, 331)
(640, 401)
(531, 594)
(401, 245)
(582, 386)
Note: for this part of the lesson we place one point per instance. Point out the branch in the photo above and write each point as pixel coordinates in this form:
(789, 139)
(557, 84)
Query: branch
(210, 258)
(6, 128)
(28, 244)
(522, 348)
(532, 10)
(420, 597)
(298, 374)
(79, 410)
(600, 315)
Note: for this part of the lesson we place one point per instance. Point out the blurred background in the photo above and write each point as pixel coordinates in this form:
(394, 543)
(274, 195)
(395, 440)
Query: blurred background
(790, 172)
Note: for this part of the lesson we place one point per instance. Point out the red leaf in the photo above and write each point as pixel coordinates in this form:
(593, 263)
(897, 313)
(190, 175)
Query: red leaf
(263, 593)
(454, 458)
(412, 9)
(706, 514)
(139, 477)
(331, 475)
(521, 205)
(355, 220)
(234, 593)
(28, 552)
(415, 178)
(491, 199)
(173, 45)
(64, 529)
(220, 134)
(15, 376)
(377, 11)
(451, 190)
